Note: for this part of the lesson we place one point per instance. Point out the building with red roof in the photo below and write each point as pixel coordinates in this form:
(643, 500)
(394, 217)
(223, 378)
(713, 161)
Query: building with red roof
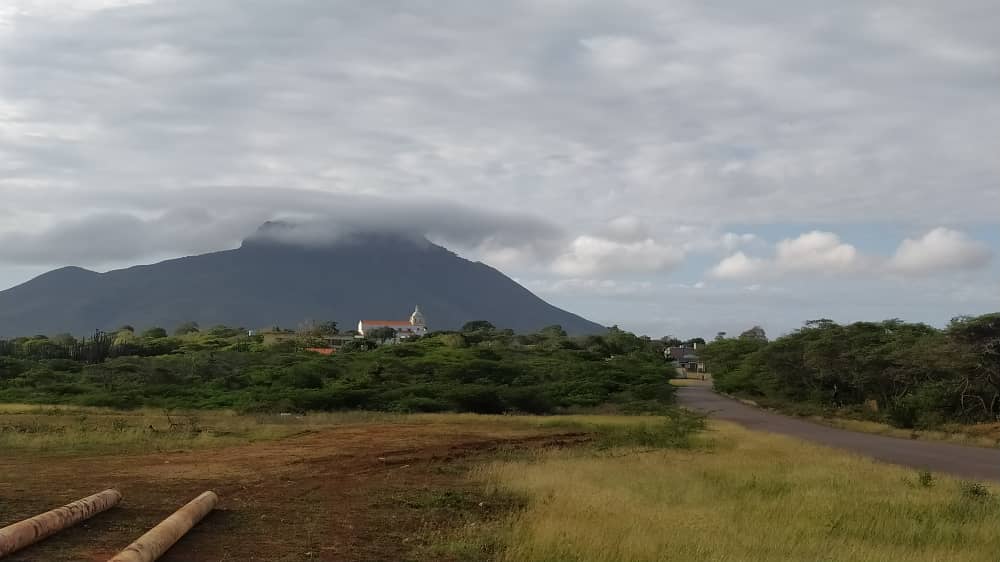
(415, 326)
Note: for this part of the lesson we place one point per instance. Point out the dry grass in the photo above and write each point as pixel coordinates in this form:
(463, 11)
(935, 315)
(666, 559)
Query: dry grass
(76, 430)
(979, 435)
(68, 430)
(743, 497)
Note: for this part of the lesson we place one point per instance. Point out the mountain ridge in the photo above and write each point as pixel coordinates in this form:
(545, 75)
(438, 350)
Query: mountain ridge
(270, 281)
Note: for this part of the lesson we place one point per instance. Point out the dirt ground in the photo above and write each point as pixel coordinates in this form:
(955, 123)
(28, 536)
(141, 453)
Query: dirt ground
(353, 493)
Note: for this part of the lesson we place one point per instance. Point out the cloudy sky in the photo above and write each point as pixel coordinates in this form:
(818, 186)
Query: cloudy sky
(678, 167)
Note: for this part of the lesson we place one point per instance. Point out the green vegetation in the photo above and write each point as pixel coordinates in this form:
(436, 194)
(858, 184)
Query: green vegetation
(481, 370)
(908, 375)
(727, 494)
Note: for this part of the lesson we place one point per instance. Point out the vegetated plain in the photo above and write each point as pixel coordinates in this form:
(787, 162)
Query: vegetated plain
(397, 485)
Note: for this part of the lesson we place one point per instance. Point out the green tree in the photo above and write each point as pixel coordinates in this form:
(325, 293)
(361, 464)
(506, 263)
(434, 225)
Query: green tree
(186, 328)
(755, 333)
(154, 333)
(670, 341)
(478, 326)
(64, 339)
(383, 334)
(553, 331)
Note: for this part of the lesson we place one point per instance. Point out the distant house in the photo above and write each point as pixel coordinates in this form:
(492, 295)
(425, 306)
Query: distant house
(415, 326)
(686, 357)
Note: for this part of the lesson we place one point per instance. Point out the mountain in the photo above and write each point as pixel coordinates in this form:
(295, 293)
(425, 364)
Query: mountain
(271, 279)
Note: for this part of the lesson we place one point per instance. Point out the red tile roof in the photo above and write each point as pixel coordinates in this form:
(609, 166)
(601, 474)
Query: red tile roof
(321, 350)
(387, 322)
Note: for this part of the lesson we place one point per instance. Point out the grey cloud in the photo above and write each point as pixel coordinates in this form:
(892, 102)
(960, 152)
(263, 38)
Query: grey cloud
(681, 112)
(189, 221)
(801, 109)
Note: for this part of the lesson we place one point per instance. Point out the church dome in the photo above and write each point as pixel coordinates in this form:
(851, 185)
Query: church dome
(417, 318)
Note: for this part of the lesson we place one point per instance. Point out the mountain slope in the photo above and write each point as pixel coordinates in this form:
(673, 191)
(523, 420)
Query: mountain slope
(266, 282)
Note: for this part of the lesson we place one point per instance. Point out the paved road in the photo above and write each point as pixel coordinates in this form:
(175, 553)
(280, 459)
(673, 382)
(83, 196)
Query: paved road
(965, 462)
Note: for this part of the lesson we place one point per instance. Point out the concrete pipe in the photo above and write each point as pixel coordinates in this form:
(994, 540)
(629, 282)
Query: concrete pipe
(160, 538)
(30, 531)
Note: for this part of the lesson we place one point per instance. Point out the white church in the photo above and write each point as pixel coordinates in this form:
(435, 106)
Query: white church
(415, 326)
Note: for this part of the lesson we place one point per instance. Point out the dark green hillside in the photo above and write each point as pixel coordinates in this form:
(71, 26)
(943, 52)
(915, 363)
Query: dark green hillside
(267, 282)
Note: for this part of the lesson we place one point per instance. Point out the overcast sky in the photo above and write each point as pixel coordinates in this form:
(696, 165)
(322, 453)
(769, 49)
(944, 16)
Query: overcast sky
(675, 167)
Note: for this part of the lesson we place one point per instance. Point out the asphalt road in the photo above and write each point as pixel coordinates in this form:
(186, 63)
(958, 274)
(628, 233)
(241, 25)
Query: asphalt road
(964, 462)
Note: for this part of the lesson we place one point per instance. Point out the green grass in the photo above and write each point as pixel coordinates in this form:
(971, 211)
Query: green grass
(737, 496)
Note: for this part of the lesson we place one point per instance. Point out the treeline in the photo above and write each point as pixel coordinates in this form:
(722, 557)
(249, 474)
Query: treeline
(123, 342)
(910, 375)
(480, 369)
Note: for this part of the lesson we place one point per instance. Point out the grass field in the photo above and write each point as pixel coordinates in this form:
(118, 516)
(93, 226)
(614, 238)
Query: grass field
(737, 496)
(69, 430)
(464, 487)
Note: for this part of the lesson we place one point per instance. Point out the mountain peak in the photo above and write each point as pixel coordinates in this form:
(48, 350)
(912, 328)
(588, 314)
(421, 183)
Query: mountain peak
(282, 275)
(318, 235)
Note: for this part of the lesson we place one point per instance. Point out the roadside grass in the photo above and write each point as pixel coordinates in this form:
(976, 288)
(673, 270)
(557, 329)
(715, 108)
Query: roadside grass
(978, 435)
(729, 494)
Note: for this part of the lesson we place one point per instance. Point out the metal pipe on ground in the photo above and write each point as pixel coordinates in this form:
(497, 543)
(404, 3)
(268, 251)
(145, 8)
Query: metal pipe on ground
(19, 535)
(160, 538)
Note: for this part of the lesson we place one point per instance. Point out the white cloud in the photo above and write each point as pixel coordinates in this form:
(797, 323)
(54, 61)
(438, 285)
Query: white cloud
(588, 255)
(739, 266)
(818, 252)
(591, 287)
(941, 249)
(814, 252)
(823, 253)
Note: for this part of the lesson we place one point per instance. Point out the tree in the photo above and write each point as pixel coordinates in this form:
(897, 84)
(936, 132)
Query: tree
(671, 341)
(755, 333)
(64, 339)
(186, 328)
(328, 328)
(693, 341)
(720, 336)
(222, 331)
(127, 328)
(154, 333)
(478, 326)
(383, 334)
(979, 338)
(553, 331)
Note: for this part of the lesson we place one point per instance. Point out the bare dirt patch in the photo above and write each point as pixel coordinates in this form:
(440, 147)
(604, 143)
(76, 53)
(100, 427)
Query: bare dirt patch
(369, 492)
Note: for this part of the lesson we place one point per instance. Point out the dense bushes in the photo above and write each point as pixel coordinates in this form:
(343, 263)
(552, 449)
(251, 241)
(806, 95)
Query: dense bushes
(911, 375)
(483, 370)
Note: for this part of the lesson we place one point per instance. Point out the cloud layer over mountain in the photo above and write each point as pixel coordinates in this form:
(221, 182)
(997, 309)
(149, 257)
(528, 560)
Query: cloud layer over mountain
(591, 146)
